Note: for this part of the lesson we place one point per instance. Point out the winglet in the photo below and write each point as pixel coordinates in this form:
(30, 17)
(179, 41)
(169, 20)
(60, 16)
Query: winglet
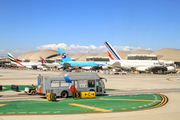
(113, 55)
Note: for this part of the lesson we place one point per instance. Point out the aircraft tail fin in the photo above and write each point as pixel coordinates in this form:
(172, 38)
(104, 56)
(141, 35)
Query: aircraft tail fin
(13, 59)
(64, 56)
(42, 60)
(112, 54)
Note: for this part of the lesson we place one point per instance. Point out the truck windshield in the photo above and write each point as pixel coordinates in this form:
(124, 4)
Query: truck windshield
(91, 83)
(101, 83)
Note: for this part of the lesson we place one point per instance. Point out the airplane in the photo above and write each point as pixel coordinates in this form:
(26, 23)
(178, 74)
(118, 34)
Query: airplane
(44, 63)
(139, 65)
(87, 65)
(33, 65)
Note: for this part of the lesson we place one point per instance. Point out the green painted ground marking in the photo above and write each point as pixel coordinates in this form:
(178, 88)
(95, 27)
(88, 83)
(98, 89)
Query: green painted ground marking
(64, 106)
(90, 107)
(111, 90)
(22, 87)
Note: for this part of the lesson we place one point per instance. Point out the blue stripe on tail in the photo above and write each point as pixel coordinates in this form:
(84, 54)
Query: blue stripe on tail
(112, 51)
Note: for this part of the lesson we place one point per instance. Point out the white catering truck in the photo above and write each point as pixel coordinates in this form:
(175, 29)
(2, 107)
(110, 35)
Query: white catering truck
(65, 85)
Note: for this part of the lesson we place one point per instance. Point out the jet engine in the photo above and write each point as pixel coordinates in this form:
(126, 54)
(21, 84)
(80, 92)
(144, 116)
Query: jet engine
(29, 66)
(170, 68)
(40, 67)
(142, 68)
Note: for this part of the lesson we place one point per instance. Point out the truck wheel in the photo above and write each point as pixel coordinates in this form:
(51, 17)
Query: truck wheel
(32, 93)
(64, 94)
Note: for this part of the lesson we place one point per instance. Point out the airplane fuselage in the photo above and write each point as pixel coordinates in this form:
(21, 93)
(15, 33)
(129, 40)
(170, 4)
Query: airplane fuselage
(83, 64)
(140, 65)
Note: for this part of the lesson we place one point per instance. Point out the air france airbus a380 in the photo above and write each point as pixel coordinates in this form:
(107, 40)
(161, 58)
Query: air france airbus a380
(139, 65)
(88, 65)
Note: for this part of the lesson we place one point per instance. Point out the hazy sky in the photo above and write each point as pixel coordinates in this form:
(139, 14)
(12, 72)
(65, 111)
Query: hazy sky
(79, 26)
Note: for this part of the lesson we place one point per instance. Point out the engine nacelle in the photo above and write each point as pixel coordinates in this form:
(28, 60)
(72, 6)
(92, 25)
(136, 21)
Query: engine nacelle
(29, 66)
(60, 66)
(87, 68)
(114, 64)
(142, 68)
(170, 68)
(104, 67)
(40, 67)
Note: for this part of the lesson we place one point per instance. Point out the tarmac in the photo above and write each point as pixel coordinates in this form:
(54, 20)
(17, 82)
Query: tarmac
(170, 111)
(98, 104)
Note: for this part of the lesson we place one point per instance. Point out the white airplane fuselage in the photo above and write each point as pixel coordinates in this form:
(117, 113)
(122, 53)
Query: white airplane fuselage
(140, 65)
(52, 65)
(29, 64)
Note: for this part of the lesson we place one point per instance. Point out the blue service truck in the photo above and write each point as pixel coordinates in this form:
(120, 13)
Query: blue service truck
(65, 84)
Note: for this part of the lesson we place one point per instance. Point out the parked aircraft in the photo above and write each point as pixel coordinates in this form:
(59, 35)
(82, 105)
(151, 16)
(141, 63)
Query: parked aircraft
(24, 64)
(139, 65)
(49, 65)
(87, 65)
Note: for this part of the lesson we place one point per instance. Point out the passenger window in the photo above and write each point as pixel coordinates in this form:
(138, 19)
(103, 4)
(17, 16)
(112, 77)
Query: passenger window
(54, 83)
(97, 83)
(91, 83)
(83, 83)
(64, 84)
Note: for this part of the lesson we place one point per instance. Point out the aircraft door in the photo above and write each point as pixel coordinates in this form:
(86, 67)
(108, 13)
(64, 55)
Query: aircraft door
(73, 87)
(75, 83)
(98, 87)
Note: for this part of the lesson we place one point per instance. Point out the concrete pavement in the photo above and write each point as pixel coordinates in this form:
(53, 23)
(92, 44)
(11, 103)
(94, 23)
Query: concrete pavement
(170, 111)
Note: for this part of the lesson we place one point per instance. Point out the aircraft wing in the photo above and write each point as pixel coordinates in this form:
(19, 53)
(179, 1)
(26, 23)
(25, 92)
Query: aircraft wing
(66, 64)
(114, 64)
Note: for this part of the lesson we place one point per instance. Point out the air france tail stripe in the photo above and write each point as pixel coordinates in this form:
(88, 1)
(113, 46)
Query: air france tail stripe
(109, 54)
(112, 51)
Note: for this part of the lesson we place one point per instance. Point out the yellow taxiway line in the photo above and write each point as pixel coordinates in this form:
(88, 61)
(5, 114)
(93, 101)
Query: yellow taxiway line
(172, 80)
(2, 105)
(89, 107)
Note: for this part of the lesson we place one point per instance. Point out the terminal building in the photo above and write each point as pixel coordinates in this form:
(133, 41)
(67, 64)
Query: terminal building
(51, 56)
(142, 57)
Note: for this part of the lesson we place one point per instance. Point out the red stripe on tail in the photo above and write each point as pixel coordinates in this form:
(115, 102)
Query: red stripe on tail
(110, 55)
